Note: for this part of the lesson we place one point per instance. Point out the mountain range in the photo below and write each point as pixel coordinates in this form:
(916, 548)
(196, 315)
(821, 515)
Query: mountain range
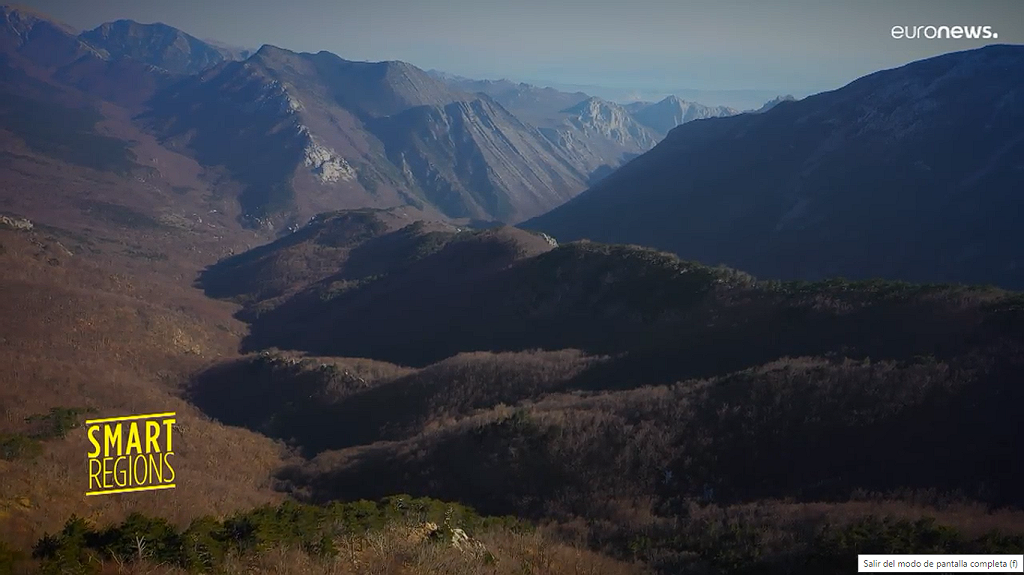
(298, 134)
(862, 181)
(309, 260)
(599, 134)
(159, 45)
(911, 173)
(672, 111)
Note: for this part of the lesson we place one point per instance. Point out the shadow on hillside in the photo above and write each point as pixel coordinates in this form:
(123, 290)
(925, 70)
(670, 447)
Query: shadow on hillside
(804, 430)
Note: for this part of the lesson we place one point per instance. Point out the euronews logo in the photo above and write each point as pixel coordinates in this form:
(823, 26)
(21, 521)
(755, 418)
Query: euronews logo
(944, 32)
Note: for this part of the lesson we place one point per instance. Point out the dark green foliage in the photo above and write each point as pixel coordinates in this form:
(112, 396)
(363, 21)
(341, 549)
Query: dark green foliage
(834, 547)
(72, 551)
(141, 538)
(15, 446)
(58, 422)
(9, 559)
(41, 427)
(205, 543)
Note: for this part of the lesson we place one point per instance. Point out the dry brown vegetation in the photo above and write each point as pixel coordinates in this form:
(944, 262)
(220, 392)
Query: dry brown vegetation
(710, 417)
(322, 403)
(655, 410)
(673, 416)
(92, 318)
(318, 250)
(777, 452)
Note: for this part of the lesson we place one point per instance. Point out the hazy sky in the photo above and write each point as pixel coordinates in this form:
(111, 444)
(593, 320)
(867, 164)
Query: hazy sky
(783, 46)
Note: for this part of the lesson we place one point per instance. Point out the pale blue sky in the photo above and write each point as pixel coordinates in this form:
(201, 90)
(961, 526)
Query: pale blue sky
(785, 46)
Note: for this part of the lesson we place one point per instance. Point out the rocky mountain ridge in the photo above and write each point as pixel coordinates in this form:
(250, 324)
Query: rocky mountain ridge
(907, 173)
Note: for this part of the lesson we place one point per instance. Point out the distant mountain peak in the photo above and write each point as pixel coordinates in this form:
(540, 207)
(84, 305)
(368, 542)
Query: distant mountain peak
(775, 102)
(613, 122)
(593, 104)
(156, 44)
(26, 14)
(673, 111)
(42, 40)
(911, 173)
(128, 23)
(271, 51)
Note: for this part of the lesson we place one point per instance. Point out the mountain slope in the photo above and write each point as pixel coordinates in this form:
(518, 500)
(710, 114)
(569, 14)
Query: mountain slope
(652, 364)
(612, 121)
(597, 136)
(909, 173)
(43, 48)
(474, 159)
(377, 89)
(316, 251)
(307, 133)
(35, 37)
(273, 122)
(155, 44)
(774, 102)
(673, 111)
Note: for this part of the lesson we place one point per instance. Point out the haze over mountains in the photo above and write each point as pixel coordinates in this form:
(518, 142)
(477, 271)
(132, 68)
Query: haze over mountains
(668, 113)
(303, 133)
(599, 133)
(309, 260)
(911, 173)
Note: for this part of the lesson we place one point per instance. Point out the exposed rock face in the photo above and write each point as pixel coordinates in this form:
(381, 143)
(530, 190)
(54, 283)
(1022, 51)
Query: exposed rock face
(613, 122)
(598, 135)
(592, 133)
(774, 102)
(466, 544)
(475, 159)
(910, 173)
(313, 132)
(455, 537)
(16, 223)
(326, 164)
(672, 111)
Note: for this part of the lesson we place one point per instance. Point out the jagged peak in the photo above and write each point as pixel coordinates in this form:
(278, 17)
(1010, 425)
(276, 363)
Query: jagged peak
(592, 104)
(31, 15)
(127, 23)
(271, 57)
(271, 51)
